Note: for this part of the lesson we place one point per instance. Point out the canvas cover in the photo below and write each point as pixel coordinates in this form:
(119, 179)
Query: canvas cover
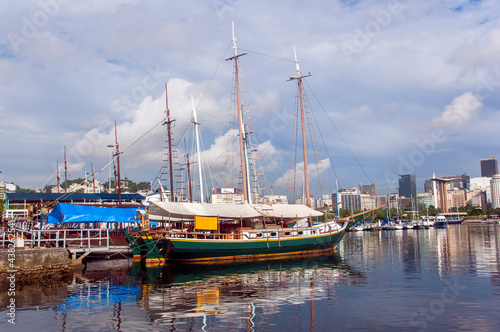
(83, 213)
(185, 210)
(287, 211)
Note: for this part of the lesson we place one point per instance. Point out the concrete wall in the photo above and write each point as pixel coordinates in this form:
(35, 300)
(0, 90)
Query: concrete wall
(30, 258)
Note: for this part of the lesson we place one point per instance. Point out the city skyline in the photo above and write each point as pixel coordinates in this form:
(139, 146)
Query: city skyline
(391, 94)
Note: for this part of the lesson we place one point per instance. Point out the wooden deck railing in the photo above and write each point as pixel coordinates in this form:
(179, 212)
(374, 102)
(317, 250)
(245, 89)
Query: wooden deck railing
(59, 238)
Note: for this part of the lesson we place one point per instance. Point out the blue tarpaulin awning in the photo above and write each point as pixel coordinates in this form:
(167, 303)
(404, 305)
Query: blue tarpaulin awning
(82, 214)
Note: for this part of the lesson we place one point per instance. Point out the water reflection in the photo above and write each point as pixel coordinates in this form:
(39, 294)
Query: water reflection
(379, 280)
(469, 249)
(238, 295)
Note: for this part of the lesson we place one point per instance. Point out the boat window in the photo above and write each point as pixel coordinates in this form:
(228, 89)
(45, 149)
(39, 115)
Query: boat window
(314, 232)
(259, 234)
(301, 232)
(287, 233)
(273, 234)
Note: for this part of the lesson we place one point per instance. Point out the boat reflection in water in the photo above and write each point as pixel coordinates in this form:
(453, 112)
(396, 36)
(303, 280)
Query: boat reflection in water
(364, 287)
(226, 293)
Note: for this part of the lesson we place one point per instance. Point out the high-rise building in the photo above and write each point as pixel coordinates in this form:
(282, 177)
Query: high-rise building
(426, 199)
(461, 182)
(408, 186)
(489, 167)
(495, 191)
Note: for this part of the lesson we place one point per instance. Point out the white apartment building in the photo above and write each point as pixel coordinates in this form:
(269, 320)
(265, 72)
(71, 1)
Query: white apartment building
(495, 191)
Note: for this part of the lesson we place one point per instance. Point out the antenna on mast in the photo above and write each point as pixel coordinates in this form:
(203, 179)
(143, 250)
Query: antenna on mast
(235, 47)
(297, 65)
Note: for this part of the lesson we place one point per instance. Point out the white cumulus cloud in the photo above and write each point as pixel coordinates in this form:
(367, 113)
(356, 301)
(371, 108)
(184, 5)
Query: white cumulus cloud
(460, 112)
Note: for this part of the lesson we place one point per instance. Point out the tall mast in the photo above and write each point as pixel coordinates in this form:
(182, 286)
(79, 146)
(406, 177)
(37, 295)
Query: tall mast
(65, 172)
(196, 131)
(241, 127)
(169, 122)
(112, 164)
(189, 172)
(304, 147)
(58, 177)
(118, 181)
(93, 177)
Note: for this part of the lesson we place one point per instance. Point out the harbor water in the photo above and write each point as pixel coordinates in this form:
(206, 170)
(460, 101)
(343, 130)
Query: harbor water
(401, 280)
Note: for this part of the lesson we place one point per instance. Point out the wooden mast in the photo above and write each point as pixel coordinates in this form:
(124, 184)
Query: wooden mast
(65, 172)
(241, 128)
(118, 181)
(93, 177)
(168, 122)
(188, 165)
(58, 177)
(304, 147)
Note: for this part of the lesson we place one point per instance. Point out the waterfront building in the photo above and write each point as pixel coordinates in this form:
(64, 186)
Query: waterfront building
(426, 199)
(404, 202)
(349, 198)
(302, 200)
(368, 189)
(227, 195)
(454, 199)
(369, 202)
(56, 189)
(453, 182)
(351, 202)
(489, 167)
(10, 187)
(2, 191)
(495, 191)
(394, 201)
(477, 198)
(352, 199)
(275, 199)
(483, 185)
(325, 200)
(408, 186)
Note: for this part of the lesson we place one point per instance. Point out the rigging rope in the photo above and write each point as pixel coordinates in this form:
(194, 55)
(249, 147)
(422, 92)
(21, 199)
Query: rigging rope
(340, 135)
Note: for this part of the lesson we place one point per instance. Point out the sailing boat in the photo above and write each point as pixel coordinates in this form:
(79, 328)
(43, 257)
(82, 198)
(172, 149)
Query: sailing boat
(197, 232)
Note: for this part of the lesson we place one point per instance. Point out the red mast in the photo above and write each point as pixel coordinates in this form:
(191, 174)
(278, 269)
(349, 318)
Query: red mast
(241, 128)
(304, 147)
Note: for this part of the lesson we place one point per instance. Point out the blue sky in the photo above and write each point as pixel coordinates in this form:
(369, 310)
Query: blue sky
(411, 86)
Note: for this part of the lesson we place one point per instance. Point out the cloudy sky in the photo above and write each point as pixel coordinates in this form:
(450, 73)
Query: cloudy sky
(397, 87)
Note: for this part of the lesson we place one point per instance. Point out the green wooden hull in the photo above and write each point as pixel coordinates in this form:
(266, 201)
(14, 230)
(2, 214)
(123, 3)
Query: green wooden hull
(196, 250)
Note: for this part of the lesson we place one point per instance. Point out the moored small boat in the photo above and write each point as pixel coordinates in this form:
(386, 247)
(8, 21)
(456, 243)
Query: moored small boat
(391, 225)
(440, 222)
